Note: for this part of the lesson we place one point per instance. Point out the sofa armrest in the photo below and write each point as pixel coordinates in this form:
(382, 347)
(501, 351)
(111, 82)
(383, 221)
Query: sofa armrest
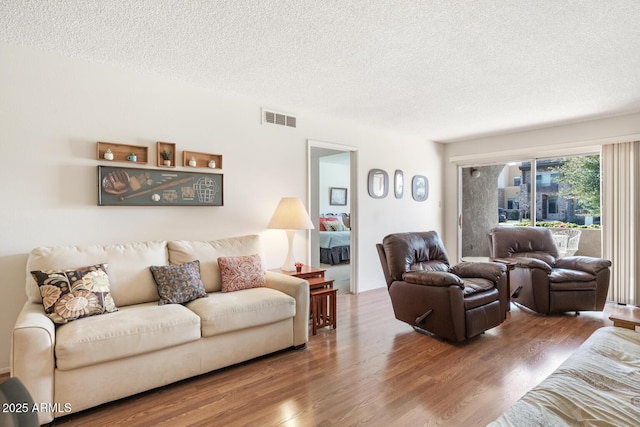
(525, 262)
(299, 290)
(492, 271)
(432, 278)
(583, 263)
(32, 355)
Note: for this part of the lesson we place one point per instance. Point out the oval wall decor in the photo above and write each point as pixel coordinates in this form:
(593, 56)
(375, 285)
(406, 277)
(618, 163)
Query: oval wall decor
(420, 188)
(398, 183)
(378, 183)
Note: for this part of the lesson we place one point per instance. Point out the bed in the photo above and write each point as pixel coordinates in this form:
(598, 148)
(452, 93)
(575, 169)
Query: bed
(335, 239)
(599, 384)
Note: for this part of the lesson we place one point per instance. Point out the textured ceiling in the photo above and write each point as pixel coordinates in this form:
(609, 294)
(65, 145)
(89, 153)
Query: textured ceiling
(442, 70)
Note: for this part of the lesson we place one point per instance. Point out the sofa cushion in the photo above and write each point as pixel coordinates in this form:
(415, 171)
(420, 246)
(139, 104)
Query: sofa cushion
(130, 331)
(71, 294)
(231, 311)
(181, 251)
(178, 284)
(130, 280)
(241, 272)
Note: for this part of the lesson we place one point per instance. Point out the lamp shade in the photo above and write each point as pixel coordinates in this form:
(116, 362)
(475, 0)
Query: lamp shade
(290, 215)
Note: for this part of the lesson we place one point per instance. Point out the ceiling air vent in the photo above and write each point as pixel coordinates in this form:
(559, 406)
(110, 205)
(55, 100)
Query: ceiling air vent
(278, 118)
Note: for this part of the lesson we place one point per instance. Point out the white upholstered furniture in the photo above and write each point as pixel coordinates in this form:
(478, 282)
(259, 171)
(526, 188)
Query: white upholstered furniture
(599, 384)
(143, 345)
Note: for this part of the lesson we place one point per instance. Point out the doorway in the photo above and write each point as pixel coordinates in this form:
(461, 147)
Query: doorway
(332, 198)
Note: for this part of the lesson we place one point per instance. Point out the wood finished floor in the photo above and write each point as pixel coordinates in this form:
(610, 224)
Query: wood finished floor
(372, 371)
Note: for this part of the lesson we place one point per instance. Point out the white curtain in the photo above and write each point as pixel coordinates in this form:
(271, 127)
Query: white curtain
(621, 219)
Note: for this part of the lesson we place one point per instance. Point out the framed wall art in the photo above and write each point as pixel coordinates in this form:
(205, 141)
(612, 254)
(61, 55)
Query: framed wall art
(398, 183)
(378, 183)
(420, 188)
(338, 196)
(122, 186)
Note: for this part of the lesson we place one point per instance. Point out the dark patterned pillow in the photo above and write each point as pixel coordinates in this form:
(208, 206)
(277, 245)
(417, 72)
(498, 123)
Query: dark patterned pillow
(241, 272)
(71, 294)
(178, 284)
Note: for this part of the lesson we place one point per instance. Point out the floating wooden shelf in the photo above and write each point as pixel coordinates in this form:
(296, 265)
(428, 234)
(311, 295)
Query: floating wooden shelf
(122, 151)
(202, 159)
(166, 146)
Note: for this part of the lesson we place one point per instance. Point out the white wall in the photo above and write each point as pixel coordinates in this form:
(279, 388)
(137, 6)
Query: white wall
(547, 142)
(53, 110)
(334, 172)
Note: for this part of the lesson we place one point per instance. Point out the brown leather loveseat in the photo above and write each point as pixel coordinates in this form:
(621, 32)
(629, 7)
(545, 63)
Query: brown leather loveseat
(544, 282)
(455, 303)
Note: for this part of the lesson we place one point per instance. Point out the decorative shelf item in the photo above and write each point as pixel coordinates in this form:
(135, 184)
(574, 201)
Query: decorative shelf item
(131, 186)
(121, 152)
(166, 154)
(202, 160)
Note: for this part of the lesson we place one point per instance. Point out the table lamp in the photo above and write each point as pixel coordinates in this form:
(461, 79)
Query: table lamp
(290, 215)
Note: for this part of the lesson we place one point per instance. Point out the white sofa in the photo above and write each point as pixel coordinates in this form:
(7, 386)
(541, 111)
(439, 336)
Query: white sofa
(598, 385)
(143, 345)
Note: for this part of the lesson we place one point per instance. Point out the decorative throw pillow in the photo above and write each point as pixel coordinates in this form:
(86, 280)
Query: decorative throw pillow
(334, 226)
(241, 272)
(178, 284)
(71, 294)
(324, 219)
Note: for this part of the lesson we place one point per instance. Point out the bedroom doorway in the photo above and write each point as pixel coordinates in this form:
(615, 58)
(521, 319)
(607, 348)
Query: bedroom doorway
(332, 199)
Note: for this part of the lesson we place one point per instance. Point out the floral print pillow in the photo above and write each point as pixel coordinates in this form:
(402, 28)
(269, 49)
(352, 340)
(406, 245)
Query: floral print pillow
(241, 272)
(71, 294)
(178, 284)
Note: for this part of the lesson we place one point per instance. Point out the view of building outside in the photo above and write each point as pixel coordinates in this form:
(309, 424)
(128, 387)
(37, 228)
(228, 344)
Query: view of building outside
(567, 192)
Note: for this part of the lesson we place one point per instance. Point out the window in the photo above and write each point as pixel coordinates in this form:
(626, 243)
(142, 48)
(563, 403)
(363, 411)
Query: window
(569, 190)
(565, 193)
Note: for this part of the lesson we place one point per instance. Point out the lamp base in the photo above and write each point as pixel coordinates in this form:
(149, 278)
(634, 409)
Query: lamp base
(289, 262)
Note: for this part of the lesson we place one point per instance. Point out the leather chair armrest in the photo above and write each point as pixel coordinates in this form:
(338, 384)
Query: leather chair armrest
(524, 262)
(432, 278)
(583, 263)
(486, 270)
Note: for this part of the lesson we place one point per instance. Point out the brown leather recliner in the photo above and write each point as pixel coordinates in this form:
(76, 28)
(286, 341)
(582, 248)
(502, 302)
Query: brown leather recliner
(455, 303)
(544, 282)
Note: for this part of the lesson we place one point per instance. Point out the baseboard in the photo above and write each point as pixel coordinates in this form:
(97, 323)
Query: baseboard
(4, 370)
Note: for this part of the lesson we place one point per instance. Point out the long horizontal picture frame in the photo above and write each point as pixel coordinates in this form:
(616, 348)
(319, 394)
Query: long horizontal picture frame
(122, 186)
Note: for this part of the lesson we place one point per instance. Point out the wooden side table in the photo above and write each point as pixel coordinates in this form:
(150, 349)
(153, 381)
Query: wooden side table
(305, 273)
(323, 308)
(628, 322)
(313, 275)
(322, 295)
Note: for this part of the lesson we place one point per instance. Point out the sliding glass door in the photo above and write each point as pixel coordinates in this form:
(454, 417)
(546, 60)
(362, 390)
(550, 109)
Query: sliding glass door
(491, 195)
(562, 193)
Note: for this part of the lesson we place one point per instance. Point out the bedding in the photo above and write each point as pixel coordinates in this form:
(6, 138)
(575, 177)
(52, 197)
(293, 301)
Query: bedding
(335, 239)
(335, 247)
(598, 385)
